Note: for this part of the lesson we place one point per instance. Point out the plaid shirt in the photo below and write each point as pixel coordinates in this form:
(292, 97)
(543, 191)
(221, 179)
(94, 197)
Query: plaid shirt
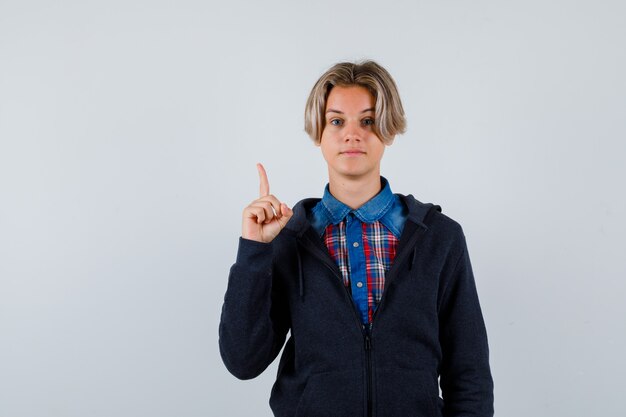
(362, 242)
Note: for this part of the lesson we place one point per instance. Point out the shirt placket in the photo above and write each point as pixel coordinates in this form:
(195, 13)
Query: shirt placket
(356, 260)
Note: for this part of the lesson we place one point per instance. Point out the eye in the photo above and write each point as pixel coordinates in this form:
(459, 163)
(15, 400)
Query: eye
(368, 122)
(335, 122)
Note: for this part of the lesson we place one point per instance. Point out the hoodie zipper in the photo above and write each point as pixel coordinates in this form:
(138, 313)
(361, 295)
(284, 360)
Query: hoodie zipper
(368, 352)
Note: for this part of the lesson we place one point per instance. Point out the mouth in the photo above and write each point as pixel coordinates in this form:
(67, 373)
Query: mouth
(352, 152)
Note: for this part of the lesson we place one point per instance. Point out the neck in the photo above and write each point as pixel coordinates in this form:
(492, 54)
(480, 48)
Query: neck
(354, 192)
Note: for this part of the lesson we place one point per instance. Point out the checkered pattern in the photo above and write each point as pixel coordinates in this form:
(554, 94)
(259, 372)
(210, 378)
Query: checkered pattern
(335, 240)
(379, 246)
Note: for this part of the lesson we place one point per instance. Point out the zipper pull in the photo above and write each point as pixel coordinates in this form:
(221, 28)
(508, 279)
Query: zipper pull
(368, 342)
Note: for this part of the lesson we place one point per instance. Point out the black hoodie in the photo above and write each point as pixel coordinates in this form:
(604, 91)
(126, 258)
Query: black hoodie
(427, 326)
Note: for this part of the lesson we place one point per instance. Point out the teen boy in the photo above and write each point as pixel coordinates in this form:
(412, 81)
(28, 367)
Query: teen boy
(375, 287)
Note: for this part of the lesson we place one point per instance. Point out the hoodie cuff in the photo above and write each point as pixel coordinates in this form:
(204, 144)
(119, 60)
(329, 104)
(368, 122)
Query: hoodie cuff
(253, 255)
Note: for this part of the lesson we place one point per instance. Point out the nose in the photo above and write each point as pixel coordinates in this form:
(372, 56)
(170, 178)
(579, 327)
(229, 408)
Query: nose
(352, 131)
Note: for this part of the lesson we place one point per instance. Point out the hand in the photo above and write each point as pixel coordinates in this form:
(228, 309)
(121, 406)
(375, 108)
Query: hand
(265, 217)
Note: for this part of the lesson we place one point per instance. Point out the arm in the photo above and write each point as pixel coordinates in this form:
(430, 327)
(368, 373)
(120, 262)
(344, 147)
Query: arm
(254, 320)
(466, 381)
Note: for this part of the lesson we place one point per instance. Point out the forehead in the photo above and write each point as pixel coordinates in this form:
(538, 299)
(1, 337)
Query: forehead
(354, 97)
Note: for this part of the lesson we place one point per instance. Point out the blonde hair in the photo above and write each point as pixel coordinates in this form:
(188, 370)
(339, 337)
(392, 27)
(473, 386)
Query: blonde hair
(389, 114)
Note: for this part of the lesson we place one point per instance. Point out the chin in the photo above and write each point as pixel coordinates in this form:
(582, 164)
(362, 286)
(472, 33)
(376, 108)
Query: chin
(353, 173)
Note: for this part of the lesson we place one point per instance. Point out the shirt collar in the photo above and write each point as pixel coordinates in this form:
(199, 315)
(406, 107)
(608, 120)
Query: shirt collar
(371, 211)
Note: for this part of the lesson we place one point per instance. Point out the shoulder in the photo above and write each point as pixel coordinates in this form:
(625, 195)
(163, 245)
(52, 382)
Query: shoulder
(433, 218)
(418, 211)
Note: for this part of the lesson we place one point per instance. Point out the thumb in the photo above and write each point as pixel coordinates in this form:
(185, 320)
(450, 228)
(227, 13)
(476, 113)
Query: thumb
(286, 214)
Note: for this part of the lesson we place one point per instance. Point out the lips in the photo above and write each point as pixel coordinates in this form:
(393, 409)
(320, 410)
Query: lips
(352, 152)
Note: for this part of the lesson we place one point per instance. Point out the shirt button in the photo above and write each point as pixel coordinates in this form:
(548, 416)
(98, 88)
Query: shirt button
(355, 244)
(359, 284)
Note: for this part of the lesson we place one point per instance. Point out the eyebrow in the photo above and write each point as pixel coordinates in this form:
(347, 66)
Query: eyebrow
(340, 112)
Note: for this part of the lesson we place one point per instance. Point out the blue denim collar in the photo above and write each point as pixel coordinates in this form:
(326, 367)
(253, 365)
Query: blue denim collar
(384, 207)
(372, 210)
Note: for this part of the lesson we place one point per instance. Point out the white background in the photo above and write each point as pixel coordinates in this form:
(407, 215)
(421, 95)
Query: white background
(129, 131)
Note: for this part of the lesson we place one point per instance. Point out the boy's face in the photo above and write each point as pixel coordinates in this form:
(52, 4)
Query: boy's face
(349, 144)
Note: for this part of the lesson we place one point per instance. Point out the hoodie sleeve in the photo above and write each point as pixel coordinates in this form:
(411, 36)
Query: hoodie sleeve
(466, 381)
(254, 323)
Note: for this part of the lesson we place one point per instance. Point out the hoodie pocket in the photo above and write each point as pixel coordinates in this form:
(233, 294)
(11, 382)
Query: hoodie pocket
(406, 393)
(333, 394)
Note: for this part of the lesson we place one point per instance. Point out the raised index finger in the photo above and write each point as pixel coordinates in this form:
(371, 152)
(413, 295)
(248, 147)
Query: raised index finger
(264, 187)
